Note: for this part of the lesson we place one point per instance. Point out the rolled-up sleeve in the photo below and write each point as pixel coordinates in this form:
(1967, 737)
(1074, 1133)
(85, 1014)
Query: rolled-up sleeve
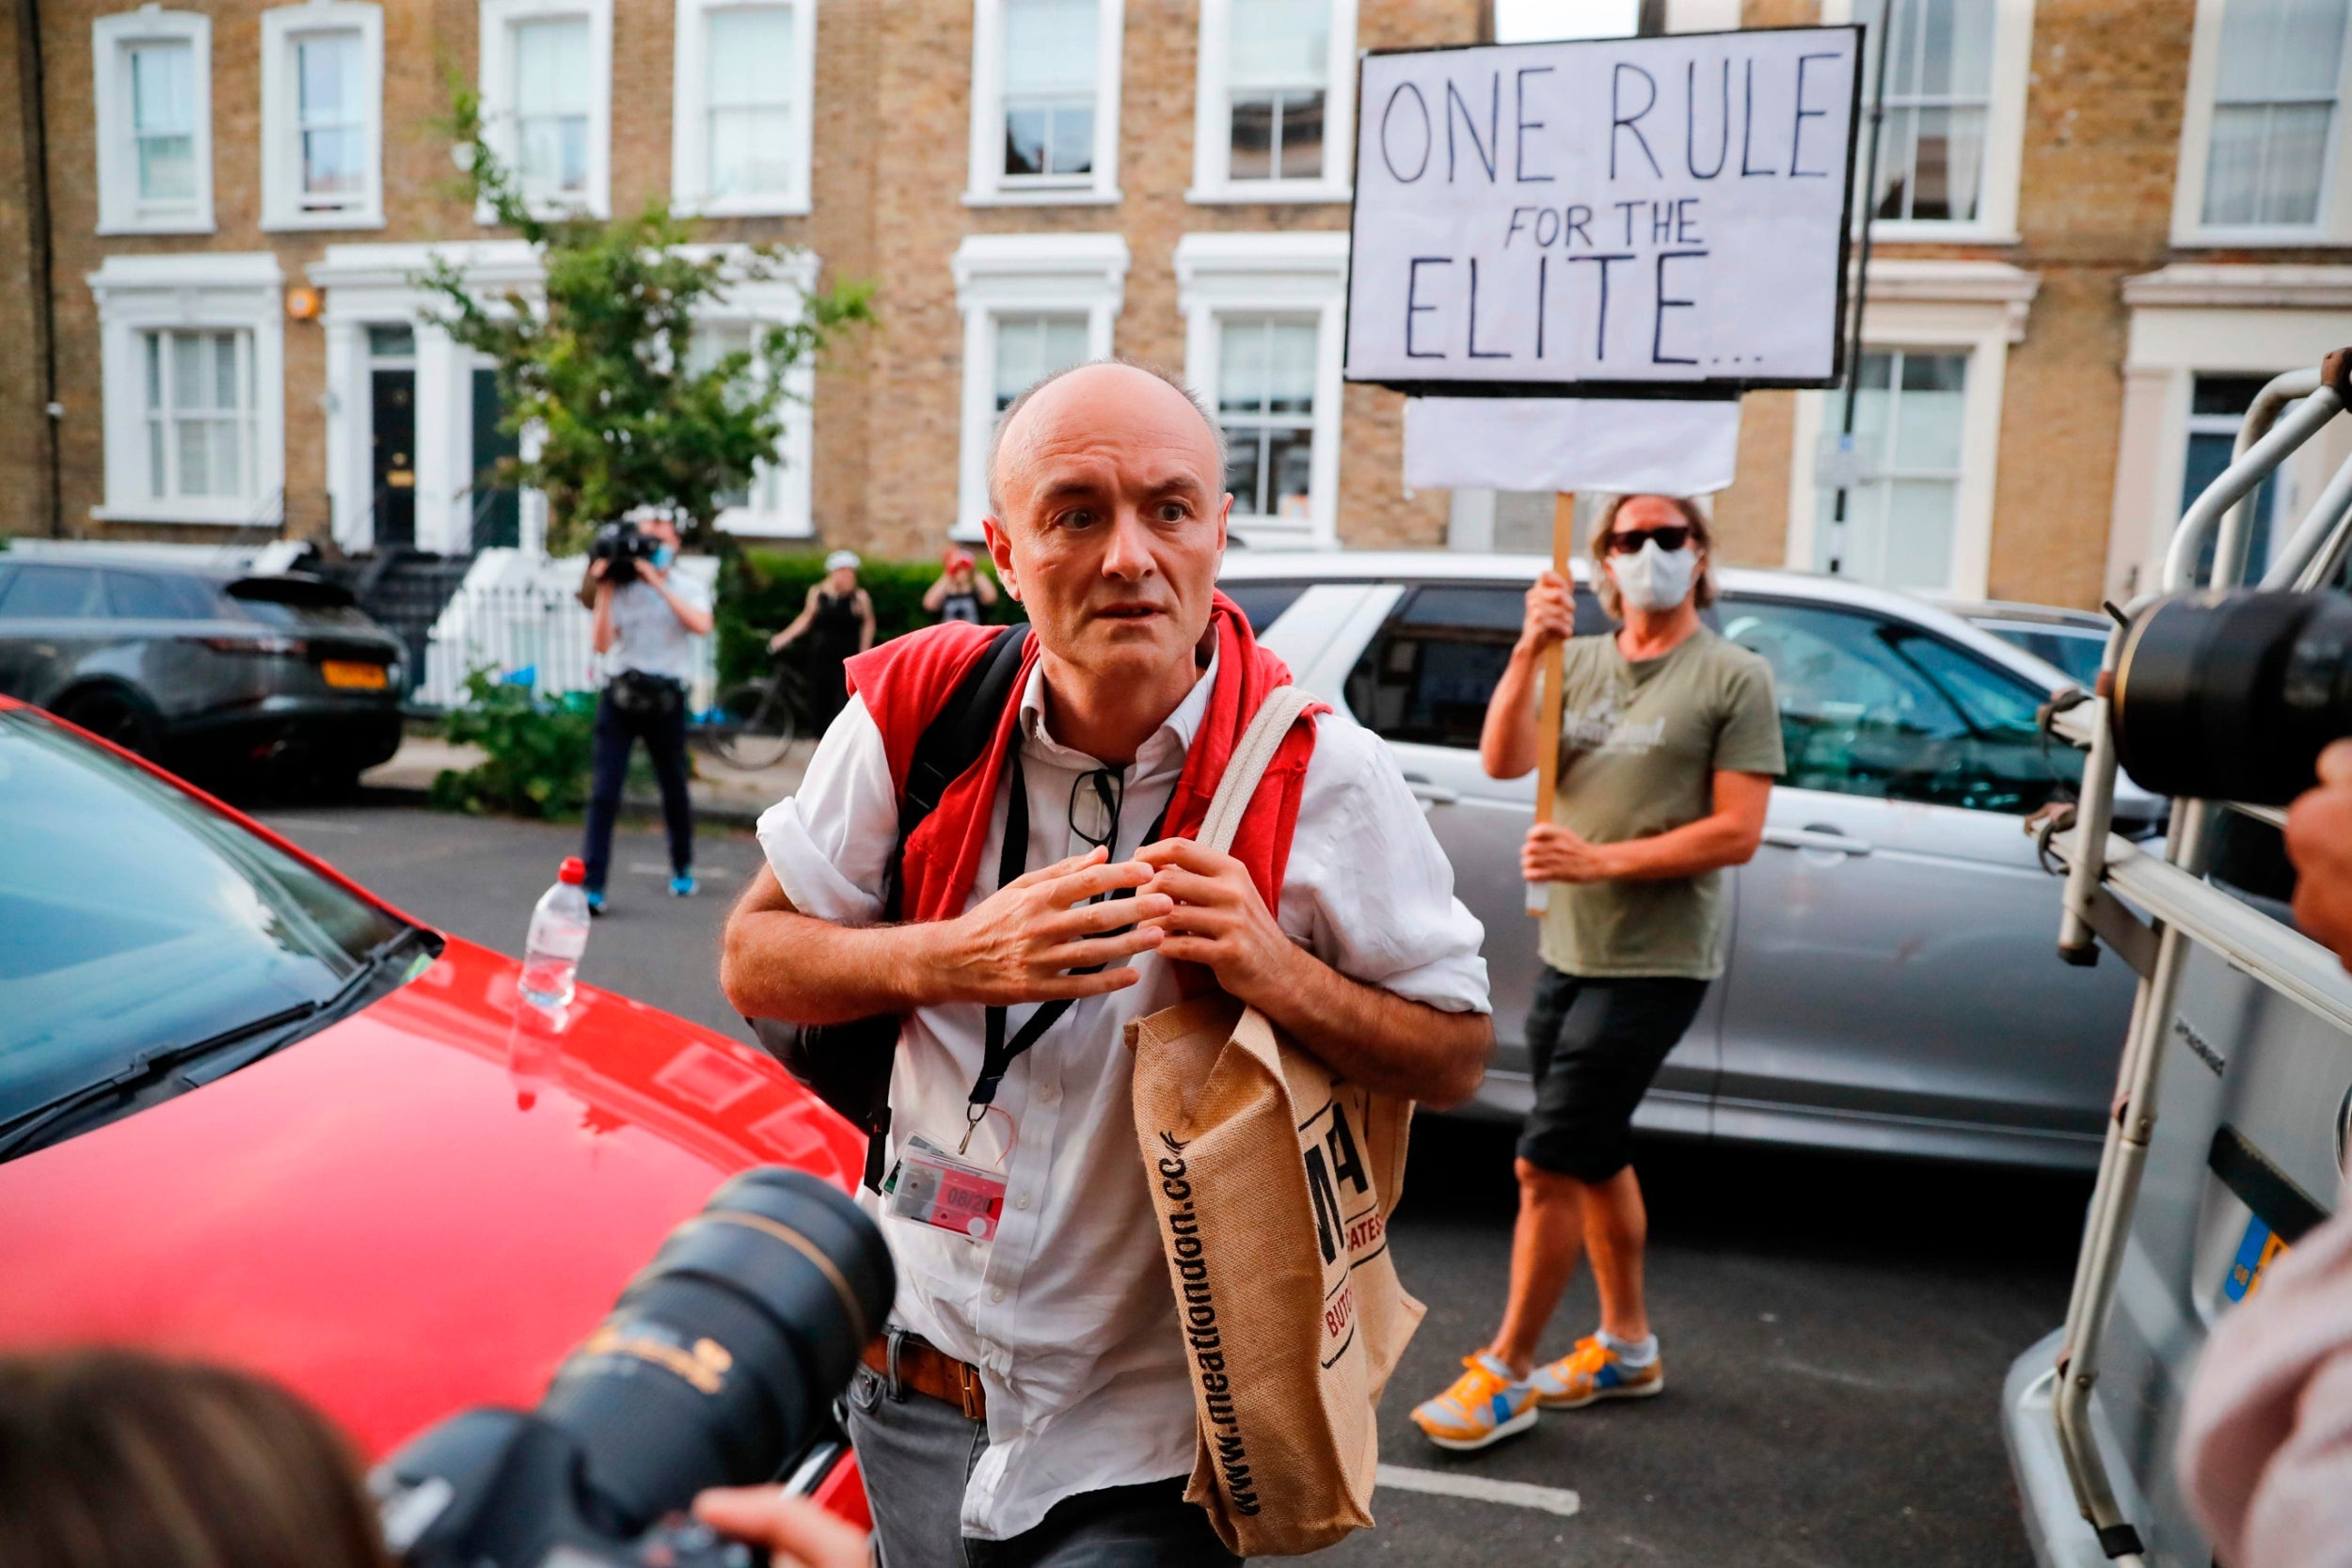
(830, 842)
(1368, 889)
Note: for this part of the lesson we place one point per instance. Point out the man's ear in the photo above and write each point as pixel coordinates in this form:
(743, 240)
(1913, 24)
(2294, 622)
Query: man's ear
(1000, 554)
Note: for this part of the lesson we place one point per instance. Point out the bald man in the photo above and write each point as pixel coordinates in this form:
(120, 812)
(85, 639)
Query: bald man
(1033, 1405)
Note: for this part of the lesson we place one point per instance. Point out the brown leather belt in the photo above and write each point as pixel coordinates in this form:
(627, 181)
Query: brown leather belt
(928, 1369)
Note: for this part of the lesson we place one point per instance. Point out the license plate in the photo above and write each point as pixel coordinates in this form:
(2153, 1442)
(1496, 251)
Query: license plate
(2254, 1253)
(355, 674)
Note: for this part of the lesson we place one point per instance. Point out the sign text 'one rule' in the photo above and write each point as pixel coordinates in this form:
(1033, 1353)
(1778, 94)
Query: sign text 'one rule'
(1531, 217)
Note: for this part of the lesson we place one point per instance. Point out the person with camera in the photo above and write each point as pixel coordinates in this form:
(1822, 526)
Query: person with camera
(2265, 1453)
(1030, 1403)
(1669, 742)
(646, 618)
(114, 1459)
(961, 594)
(838, 619)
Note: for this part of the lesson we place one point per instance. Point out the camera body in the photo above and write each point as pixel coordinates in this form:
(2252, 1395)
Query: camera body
(717, 1367)
(506, 1487)
(621, 547)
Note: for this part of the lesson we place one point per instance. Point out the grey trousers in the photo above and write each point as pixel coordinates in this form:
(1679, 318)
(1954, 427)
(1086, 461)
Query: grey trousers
(916, 1453)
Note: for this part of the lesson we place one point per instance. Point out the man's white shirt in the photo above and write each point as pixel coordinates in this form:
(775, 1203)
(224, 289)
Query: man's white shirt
(1067, 1312)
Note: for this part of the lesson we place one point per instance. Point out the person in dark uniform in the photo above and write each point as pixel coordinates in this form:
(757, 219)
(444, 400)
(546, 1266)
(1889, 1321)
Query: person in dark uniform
(961, 594)
(838, 619)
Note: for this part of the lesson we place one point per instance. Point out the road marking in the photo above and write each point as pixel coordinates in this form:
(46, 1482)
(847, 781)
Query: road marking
(1511, 1494)
(310, 825)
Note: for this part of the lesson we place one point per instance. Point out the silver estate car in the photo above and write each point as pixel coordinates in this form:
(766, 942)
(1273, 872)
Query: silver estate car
(1892, 986)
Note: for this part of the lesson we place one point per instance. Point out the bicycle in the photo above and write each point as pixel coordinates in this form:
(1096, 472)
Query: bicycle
(751, 725)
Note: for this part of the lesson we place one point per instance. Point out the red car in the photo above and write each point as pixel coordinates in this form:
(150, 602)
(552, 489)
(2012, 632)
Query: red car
(251, 1112)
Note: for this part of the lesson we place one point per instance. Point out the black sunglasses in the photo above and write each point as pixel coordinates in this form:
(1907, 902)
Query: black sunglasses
(1670, 537)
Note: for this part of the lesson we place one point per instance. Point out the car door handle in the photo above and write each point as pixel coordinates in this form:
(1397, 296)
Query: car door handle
(1816, 837)
(1430, 794)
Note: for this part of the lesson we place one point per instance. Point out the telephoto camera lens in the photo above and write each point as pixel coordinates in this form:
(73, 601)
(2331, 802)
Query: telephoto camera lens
(2232, 696)
(717, 1367)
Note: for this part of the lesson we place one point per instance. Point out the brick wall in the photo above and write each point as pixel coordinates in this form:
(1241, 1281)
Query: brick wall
(2103, 127)
(891, 115)
(23, 464)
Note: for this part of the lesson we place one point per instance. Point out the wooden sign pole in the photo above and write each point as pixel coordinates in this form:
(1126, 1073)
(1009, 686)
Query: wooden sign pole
(1547, 693)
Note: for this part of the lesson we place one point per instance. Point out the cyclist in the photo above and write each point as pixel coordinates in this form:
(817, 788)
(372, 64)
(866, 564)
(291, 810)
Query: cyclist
(839, 618)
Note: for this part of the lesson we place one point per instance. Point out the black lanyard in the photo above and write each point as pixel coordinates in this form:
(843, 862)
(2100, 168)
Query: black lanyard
(999, 1054)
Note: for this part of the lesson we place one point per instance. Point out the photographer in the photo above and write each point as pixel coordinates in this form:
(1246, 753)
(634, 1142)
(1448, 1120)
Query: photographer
(109, 1459)
(645, 623)
(2265, 1454)
(961, 594)
(113, 1460)
(1669, 742)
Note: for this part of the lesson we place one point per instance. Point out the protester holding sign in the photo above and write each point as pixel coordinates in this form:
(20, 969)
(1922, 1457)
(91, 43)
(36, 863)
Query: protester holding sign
(1034, 1390)
(1669, 741)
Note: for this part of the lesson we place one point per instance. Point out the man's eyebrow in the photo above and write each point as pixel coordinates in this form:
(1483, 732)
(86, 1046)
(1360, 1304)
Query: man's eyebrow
(1064, 489)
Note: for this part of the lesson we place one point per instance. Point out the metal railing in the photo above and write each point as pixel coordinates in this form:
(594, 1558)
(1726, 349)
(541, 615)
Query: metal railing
(520, 615)
(2105, 871)
(531, 634)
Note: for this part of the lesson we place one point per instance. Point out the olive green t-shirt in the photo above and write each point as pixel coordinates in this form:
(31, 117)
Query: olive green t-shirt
(1640, 745)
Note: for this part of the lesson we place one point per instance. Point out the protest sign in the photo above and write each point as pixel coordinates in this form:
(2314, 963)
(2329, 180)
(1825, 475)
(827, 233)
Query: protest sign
(1621, 217)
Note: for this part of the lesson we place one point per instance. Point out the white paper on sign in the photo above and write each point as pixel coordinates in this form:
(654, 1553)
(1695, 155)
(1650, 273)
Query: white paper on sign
(1623, 445)
(1656, 209)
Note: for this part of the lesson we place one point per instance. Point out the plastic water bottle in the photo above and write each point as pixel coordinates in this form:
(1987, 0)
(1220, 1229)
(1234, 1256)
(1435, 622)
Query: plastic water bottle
(559, 934)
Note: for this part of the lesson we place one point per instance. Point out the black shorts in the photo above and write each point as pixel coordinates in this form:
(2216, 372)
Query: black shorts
(1594, 1046)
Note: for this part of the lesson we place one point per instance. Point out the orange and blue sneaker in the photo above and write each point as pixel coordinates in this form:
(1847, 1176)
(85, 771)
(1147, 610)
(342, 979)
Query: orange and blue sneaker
(1484, 1405)
(1594, 1371)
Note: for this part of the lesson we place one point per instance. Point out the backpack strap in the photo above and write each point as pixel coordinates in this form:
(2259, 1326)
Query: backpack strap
(1246, 769)
(848, 1065)
(950, 745)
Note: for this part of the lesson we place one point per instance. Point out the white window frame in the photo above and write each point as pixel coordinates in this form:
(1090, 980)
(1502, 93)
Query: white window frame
(1000, 275)
(282, 30)
(2197, 318)
(1273, 274)
(1213, 121)
(988, 184)
(762, 304)
(118, 160)
(498, 18)
(375, 285)
(237, 292)
(1930, 307)
(1995, 222)
(2190, 227)
(690, 155)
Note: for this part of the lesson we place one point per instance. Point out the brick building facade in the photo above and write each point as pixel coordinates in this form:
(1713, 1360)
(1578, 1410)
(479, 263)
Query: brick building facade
(2101, 223)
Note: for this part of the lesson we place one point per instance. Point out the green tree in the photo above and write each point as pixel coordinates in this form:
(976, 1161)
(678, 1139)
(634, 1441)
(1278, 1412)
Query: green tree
(601, 366)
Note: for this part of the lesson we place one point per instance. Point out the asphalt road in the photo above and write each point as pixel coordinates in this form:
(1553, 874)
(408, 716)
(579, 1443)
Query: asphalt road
(1834, 1330)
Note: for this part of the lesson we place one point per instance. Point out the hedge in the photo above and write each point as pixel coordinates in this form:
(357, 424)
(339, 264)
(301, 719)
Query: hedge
(764, 590)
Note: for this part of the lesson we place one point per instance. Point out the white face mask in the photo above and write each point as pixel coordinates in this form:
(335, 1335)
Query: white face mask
(1656, 579)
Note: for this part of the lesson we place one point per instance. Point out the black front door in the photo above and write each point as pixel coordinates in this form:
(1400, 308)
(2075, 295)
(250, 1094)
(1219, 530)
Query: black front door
(498, 515)
(393, 472)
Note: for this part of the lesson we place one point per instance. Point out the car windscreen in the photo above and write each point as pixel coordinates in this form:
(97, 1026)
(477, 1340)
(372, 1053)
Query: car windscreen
(139, 921)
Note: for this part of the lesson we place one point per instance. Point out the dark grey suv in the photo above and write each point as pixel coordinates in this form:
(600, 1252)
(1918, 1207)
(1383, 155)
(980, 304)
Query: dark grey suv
(210, 672)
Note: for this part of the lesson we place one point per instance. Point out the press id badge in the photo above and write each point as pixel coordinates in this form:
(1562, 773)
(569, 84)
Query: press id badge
(936, 1188)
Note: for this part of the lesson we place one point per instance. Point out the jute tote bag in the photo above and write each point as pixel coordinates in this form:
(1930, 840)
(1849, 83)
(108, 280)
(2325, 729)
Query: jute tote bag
(1273, 1180)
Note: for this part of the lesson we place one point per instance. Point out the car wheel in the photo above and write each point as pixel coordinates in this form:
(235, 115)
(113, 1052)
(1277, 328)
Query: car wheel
(114, 715)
